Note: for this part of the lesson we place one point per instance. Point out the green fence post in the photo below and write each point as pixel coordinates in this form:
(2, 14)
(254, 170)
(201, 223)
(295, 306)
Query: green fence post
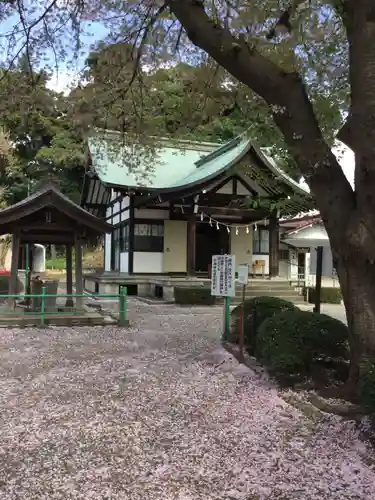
(123, 306)
(226, 318)
(43, 307)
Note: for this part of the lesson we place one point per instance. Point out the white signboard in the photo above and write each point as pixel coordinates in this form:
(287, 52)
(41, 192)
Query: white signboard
(243, 274)
(223, 282)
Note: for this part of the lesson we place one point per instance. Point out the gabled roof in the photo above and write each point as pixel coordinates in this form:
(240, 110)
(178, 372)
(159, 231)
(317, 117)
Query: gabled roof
(49, 196)
(174, 165)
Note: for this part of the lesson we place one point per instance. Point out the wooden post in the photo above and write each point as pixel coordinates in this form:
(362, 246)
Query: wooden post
(14, 269)
(69, 276)
(318, 283)
(131, 236)
(79, 276)
(273, 245)
(191, 244)
(242, 331)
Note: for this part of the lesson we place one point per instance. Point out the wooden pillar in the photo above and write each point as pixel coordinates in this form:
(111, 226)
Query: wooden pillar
(318, 283)
(79, 275)
(191, 244)
(131, 236)
(14, 268)
(273, 228)
(69, 276)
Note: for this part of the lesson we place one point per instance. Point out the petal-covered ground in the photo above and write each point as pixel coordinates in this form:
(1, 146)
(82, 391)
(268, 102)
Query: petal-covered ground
(160, 411)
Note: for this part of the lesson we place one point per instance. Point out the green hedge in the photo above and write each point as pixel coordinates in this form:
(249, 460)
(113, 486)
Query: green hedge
(257, 310)
(193, 296)
(328, 295)
(291, 341)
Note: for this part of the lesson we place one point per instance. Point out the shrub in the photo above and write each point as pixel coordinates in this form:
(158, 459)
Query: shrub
(289, 342)
(327, 336)
(193, 296)
(281, 344)
(257, 310)
(366, 388)
(328, 295)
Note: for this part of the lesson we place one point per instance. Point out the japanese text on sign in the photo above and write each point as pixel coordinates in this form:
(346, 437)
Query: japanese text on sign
(223, 276)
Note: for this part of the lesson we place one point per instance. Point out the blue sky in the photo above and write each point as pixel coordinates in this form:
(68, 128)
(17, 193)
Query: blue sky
(69, 70)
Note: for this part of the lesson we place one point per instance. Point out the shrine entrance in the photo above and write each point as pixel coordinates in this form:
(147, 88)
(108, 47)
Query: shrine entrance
(209, 241)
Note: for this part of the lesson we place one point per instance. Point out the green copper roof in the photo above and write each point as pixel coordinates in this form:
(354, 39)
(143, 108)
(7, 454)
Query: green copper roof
(171, 166)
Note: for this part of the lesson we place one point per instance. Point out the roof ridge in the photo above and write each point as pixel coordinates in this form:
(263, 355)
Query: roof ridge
(219, 151)
(166, 141)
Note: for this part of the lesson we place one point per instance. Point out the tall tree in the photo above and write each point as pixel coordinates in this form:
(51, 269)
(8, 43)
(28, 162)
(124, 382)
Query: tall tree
(43, 142)
(312, 62)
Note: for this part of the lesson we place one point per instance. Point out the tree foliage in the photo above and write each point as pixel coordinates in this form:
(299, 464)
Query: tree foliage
(39, 142)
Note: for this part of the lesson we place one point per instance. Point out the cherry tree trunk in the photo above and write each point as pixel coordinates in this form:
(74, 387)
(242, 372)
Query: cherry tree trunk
(357, 281)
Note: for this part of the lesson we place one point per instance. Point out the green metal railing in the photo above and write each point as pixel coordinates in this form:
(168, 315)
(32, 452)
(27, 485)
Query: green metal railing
(43, 312)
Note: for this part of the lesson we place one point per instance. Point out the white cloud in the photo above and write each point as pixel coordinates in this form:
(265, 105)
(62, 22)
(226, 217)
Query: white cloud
(63, 81)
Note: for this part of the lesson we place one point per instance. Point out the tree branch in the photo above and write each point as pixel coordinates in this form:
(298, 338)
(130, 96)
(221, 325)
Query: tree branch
(285, 94)
(283, 24)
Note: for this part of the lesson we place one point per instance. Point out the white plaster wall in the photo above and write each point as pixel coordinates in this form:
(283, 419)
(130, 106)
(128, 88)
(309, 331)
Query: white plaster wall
(124, 262)
(293, 266)
(148, 213)
(327, 266)
(227, 188)
(241, 246)
(108, 213)
(90, 285)
(148, 262)
(261, 257)
(116, 208)
(107, 252)
(124, 204)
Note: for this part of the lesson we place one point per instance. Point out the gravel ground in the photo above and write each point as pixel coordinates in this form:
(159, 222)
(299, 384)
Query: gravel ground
(160, 411)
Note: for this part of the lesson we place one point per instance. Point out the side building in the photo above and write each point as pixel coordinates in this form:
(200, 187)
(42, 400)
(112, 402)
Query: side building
(174, 204)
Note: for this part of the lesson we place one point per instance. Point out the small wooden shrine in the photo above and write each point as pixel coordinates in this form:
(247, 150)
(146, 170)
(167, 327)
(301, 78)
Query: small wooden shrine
(49, 217)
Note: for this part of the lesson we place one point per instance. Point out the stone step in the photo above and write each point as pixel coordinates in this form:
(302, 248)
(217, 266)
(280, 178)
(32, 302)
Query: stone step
(266, 284)
(278, 293)
(297, 300)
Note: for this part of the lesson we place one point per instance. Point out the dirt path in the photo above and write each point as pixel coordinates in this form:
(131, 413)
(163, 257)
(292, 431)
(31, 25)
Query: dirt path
(159, 411)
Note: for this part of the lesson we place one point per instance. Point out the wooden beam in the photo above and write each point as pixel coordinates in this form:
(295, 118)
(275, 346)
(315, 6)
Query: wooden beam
(249, 214)
(273, 229)
(94, 205)
(52, 226)
(58, 239)
(14, 268)
(79, 274)
(191, 244)
(318, 283)
(131, 235)
(69, 275)
(247, 186)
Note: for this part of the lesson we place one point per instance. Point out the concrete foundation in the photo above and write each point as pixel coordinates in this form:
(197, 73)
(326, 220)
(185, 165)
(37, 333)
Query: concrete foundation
(147, 286)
